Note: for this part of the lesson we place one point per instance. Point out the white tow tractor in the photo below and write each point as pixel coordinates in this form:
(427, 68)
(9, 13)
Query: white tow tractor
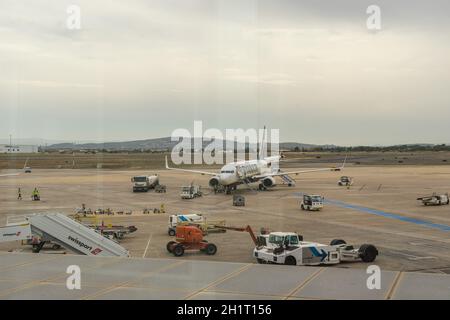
(345, 181)
(290, 249)
(190, 192)
(144, 183)
(312, 202)
(435, 200)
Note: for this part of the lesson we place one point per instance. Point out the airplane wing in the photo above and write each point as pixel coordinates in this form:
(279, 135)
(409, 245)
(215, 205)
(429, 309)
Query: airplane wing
(282, 173)
(189, 170)
(9, 174)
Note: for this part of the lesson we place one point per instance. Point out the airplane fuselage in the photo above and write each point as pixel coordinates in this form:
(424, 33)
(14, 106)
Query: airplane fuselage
(239, 172)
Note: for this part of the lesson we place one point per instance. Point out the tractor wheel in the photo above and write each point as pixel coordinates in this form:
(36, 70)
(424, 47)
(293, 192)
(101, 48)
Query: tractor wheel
(260, 261)
(368, 252)
(336, 242)
(172, 232)
(302, 206)
(210, 249)
(290, 261)
(178, 250)
(169, 245)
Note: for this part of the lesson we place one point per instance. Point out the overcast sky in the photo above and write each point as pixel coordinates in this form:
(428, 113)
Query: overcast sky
(140, 69)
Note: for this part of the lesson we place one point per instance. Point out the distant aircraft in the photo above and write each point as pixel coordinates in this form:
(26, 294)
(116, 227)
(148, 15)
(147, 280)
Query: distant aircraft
(262, 170)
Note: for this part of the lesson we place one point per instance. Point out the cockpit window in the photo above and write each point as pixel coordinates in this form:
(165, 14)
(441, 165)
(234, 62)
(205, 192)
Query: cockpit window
(227, 171)
(293, 240)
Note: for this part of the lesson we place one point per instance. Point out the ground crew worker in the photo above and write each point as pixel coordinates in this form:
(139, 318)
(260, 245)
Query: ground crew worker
(35, 194)
(19, 196)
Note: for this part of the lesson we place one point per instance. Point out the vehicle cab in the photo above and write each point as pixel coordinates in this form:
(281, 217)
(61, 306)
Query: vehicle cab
(140, 183)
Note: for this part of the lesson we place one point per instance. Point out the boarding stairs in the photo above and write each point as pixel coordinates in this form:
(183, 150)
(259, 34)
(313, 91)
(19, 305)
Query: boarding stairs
(62, 230)
(287, 180)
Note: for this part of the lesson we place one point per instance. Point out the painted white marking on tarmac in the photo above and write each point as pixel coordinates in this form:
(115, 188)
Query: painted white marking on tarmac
(413, 257)
(148, 243)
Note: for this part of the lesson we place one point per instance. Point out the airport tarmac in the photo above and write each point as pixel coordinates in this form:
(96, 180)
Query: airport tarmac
(43, 277)
(380, 208)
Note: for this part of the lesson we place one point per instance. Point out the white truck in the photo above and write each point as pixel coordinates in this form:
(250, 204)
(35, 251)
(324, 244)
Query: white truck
(144, 183)
(190, 192)
(312, 202)
(186, 218)
(290, 249)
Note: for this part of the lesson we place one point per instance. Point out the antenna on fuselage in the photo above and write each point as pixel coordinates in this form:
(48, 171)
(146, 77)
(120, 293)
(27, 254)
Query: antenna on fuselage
(262, 145)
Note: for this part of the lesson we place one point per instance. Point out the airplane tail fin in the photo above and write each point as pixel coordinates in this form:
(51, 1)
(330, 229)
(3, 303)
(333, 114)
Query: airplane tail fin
(262, 145)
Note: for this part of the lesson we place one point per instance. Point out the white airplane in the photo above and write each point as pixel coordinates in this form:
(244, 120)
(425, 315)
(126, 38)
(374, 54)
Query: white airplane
(261, 170)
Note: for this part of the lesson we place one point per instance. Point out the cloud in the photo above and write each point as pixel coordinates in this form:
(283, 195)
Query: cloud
(169, 62)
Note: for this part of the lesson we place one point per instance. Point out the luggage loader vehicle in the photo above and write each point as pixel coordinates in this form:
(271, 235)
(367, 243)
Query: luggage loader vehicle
(435, 200)
(290, 249)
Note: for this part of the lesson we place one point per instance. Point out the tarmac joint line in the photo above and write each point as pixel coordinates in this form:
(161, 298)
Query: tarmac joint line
(228, 276)
(394, 286)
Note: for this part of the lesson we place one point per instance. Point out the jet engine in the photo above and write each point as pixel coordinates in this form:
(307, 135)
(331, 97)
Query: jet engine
(268, 182)
(214, 182)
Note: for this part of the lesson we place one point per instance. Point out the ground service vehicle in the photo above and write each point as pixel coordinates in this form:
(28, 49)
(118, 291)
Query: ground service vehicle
(312, 202)
(144, 183)
(290, 249)
(190, 238)
(160, 188)
(435, 200)
(190, 192)
(183, 218)
(345, 181)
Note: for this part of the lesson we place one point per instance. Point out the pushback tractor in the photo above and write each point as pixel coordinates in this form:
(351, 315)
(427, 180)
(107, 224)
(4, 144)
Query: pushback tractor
(290, 249)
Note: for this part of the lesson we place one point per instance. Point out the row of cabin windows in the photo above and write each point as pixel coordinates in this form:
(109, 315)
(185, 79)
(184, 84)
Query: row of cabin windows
(227, 171)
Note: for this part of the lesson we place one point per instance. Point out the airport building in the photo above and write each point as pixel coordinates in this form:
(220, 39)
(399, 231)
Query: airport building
(8, 148)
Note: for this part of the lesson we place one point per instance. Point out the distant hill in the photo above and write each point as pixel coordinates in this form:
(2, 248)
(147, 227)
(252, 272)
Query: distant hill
(165, 143)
